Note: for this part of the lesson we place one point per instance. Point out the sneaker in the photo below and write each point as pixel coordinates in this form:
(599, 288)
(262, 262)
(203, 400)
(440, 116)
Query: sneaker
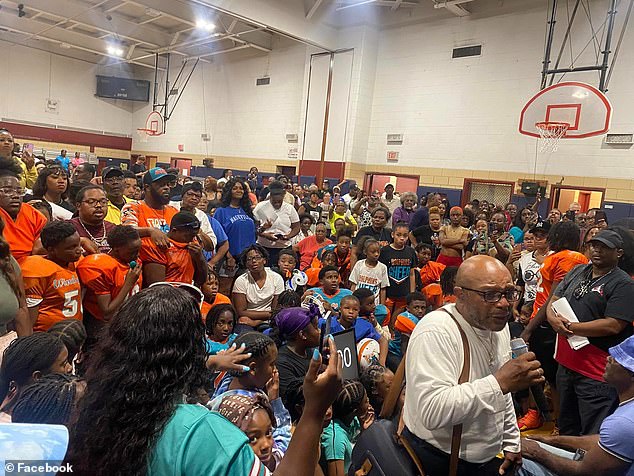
(530, 421)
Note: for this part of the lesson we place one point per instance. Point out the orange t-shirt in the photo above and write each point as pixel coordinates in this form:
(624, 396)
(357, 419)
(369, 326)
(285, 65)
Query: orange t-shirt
(140, 215)
(22, 233)
(54, 289)
(554, 268)
(101, 274)
(179, 266)
(430, 273)
(206, 307)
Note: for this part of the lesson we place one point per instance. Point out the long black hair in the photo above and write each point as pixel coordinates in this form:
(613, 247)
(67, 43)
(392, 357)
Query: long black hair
(151, 354)
(245, 202)
(40, 187)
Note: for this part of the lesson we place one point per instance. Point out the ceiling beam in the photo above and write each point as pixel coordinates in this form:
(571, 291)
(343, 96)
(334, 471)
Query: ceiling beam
(397, 4)
(314, 9)
(454, 6)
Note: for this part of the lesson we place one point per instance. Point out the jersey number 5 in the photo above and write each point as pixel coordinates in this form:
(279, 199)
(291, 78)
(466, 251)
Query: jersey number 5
(71, 303)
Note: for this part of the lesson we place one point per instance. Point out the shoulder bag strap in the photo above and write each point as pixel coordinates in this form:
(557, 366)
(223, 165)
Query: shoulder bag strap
(464, 377)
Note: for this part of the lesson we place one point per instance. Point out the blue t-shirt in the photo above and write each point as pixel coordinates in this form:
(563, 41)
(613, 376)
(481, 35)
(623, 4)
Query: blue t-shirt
(239, 228)
(517, 234)
(63, 161)
(214, 347)
(334, 301)
(337, 439)
(196, 441)
(362, 328)
(616, 435)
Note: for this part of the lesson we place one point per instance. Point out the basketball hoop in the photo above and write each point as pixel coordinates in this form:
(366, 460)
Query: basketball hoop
(154, 126)
(550, 134)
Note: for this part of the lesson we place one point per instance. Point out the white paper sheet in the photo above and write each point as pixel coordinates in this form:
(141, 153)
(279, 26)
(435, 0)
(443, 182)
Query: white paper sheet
(562, 307)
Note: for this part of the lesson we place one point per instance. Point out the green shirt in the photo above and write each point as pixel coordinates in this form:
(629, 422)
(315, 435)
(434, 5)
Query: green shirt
(198, 442)
(10, 305)
(337, 439)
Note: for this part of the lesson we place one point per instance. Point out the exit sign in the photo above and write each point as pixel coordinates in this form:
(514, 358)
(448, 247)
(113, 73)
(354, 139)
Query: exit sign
(392, 156)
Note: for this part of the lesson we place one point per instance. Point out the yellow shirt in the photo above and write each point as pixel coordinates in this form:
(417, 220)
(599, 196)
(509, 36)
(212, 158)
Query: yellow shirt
(114, 213)
(28, 177)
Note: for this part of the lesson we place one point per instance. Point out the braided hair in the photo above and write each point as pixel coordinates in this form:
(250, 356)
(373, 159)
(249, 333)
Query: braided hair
(72, 333)
(256, 343)
(370, 378)
(25, 355)
(48, 400)
(349, 399)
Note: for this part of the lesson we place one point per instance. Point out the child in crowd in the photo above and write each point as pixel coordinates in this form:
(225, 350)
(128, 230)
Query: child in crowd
(367, 309)
(516, 327)
(429, 270)
(286, 263)
(254, 415)
(210, 292)
(330, 291)
(349, 313)
(453, 239)
(481, 243)
(439, 294)
(324, 257)
(403, 328)
(377, 381)
(337, 439)
(401, 263)
(343, 252)
(306, 223)
(220, 323)
(369, 273)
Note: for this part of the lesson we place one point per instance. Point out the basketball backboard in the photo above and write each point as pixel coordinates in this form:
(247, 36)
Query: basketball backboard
(583, 107)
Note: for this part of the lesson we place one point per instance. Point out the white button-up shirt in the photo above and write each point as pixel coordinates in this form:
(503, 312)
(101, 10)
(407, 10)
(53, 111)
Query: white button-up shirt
(434, 402)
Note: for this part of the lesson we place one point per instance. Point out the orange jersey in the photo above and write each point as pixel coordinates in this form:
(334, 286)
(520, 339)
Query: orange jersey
(54, 289)
(22, 233)
(554, 268)
(435, 297)
(140, 215)
(206, 307)
(430, 273)
(179, 266)
(101, 274)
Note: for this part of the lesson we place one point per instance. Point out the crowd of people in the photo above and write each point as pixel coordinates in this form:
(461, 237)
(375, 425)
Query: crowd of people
(174, 325)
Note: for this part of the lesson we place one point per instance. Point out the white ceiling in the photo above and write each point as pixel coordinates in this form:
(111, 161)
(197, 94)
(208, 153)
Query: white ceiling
(84, 29)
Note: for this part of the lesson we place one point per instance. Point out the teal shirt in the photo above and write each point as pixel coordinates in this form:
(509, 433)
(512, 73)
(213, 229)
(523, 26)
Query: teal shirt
(198, 442)
(337, 439)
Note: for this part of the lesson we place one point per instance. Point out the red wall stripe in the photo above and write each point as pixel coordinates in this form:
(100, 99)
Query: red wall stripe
(47, 134)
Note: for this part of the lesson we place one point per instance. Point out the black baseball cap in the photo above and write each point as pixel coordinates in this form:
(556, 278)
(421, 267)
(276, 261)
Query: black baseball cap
(609, 238)
(541, 225)
(111, 172)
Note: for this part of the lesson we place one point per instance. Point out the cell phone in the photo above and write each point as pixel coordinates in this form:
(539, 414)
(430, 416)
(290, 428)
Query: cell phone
(570, 214)
(279, 236)
(325, 330)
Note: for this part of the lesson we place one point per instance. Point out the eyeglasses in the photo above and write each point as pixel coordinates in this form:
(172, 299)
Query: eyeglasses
(250, 259)
(492, 297)
(93, 202)
(117, 179)
(12, 192)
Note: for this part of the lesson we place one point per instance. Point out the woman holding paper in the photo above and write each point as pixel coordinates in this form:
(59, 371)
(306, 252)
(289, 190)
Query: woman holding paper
(597, 307)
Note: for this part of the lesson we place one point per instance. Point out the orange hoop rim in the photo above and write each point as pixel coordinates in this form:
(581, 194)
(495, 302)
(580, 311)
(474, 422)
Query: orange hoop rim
(149, 132)
(550, 125)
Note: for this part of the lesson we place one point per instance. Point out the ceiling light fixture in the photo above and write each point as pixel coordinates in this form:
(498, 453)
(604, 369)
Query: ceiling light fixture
(205, 25)
(114, 50)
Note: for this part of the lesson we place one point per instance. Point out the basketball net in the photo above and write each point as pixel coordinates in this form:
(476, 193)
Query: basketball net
(142, 135)
(550, 133)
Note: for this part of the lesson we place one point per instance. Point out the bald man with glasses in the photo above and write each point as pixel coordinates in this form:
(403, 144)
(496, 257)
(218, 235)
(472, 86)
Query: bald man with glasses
(435, 401)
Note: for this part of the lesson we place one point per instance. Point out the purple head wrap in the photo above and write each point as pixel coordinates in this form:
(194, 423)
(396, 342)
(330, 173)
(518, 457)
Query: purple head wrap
(294, 319)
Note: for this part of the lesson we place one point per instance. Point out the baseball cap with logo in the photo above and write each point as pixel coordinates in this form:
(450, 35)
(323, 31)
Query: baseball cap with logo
(157, 173)
(541, 225)
(609, 238)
